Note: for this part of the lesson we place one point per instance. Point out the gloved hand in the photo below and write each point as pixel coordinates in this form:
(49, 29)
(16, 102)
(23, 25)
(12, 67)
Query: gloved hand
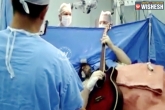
(97, 75)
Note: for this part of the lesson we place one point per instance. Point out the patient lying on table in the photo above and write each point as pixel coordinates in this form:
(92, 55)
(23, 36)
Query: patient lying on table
(86, 70)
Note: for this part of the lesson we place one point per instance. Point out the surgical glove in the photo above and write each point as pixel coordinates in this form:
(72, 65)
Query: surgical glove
(97, 75)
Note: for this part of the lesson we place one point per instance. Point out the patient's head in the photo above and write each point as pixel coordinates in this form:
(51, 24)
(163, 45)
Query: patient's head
(86, 69)
(105, 18)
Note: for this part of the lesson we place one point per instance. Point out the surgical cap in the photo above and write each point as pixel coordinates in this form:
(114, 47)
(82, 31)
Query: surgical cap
(65, 7)
(105, 16)
(36, 2)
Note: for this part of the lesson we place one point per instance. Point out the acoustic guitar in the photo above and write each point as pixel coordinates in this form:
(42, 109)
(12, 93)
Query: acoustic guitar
(106, 95)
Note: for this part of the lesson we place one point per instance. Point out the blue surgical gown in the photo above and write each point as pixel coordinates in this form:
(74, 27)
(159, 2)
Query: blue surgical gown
(44, 78)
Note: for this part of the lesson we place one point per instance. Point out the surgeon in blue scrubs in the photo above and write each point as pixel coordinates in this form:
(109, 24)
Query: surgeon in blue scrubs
(34, 75)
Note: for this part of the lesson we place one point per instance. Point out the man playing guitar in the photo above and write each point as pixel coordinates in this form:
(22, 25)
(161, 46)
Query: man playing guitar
(86, 69)
(91, 79)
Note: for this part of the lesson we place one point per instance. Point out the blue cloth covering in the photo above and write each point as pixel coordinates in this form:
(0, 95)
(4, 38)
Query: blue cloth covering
(42, 77)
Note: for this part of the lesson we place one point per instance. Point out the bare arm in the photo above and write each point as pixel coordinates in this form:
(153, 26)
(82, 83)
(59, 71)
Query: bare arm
(82, 109)
(85, 95)
(121, 55)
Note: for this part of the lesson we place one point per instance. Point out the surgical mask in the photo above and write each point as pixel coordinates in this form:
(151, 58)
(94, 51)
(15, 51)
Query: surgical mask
(66, 20)
(102, 25)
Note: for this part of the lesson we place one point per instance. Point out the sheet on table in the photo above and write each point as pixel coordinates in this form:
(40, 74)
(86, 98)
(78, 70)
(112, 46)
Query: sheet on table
(140, 99)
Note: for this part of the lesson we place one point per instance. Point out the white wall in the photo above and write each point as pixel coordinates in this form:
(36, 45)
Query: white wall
(129, 13)
(79, 18)
(88, 20)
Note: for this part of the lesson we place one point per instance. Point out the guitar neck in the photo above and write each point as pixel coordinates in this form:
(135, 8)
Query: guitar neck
(102, 62)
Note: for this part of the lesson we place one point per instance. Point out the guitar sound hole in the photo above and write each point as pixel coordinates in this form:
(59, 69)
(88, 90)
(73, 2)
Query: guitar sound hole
(98, 99)
(100, 83)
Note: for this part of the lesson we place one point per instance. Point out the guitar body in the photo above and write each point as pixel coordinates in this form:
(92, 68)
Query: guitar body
(106, 95)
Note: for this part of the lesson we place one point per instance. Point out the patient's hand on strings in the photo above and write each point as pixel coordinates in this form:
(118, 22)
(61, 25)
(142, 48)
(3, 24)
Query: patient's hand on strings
(97, 75)
(106, 40)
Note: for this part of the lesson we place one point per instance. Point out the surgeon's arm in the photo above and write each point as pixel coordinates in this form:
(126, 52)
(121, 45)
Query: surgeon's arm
(71, 97)
(70, 88)
(121, 55)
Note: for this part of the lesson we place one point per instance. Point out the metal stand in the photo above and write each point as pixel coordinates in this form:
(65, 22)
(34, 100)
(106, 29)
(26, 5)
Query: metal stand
(118, 4)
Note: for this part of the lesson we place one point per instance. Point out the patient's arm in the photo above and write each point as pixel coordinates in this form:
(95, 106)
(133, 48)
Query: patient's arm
(85, 94)
(121, 55)
(89, 85)
(82, 109)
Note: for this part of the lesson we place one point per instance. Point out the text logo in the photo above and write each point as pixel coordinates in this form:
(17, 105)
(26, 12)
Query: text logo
(66, 53)
(153, 5)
